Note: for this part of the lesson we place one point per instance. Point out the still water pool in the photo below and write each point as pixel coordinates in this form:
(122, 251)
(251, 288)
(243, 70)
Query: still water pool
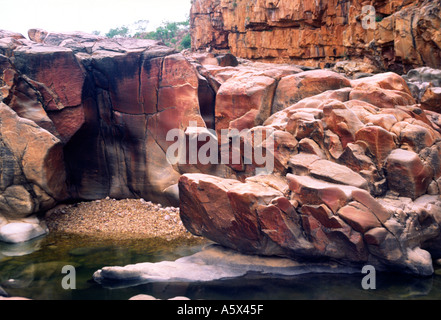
(33, 270)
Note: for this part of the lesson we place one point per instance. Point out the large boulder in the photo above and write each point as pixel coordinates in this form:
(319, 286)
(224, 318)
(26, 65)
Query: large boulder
(244, 102)
(322, 220)
(294, 88)
(33, 175)
(425, 83)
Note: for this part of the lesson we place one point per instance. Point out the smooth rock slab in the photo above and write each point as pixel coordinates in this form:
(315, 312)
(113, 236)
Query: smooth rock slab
(214, 262)
(18, 232)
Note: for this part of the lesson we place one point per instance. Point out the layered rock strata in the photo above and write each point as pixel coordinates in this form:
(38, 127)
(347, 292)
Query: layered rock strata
(390, 35)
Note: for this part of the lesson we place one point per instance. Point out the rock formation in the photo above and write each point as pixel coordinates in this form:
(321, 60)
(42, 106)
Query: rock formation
(356, 162)
(396, 35)
(212, 263)
(356, 172)
(108, 103)
(85, 117)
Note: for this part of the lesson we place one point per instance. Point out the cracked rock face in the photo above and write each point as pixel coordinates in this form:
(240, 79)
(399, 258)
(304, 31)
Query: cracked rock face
(400, 35)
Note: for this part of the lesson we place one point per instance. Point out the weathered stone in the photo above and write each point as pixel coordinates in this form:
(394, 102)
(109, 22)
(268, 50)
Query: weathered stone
(323, 214)
(407, 174)
(50, 67)
(292, 89)
(399, 35)
(378, 141)
(31, 158)
(308, 164)
(333, 172)
(244, 97)
(359, 217)
(415, 136)
(342, 121)
(212, 263)
(232, 203)
(308, 190)
(334, 155)
(431, 100)
(307, 145)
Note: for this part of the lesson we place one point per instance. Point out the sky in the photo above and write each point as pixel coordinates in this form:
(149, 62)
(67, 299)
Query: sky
(88, 15)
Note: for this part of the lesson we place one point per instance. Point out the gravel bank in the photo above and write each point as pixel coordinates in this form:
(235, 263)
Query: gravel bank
(120, 219)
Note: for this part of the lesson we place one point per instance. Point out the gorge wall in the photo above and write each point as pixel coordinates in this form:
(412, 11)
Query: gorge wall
(401, 34)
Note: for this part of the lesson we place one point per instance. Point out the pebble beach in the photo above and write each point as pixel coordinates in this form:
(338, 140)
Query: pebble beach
(118, 219)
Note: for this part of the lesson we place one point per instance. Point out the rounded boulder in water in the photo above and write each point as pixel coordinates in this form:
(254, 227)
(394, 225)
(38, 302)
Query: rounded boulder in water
(17, 232)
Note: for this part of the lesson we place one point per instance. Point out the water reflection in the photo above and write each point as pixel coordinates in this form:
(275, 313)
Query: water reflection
(19, 249)
(34, 271)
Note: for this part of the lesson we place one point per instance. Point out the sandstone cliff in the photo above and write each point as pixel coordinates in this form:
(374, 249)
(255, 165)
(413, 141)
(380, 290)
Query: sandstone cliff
(397, 36)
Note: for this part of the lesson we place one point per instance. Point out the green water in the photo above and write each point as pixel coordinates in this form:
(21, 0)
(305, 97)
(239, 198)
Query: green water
(33, 270)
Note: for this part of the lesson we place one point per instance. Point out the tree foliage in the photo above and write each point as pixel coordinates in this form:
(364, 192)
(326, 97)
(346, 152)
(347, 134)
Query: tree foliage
(118, 32)
(172, 34)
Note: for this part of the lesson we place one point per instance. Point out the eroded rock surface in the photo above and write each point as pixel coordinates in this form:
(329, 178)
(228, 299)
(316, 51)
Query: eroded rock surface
(211, 263)
(356, 176)
(398, 36)
(105, 105)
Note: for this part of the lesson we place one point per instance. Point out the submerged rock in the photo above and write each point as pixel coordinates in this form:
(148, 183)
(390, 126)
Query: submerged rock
(212, 263)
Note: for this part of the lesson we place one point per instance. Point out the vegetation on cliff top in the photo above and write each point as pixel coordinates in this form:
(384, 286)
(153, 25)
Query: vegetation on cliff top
(172, 34)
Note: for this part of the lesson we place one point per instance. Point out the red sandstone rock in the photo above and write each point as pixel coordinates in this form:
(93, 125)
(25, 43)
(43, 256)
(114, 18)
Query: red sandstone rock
(33, 169)
(359, 217)
(407, 174)
(335, 156)
(316, 33)
(378, 141)
(55, 68)
(244, 97)
(292, 89)
(431, 100)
